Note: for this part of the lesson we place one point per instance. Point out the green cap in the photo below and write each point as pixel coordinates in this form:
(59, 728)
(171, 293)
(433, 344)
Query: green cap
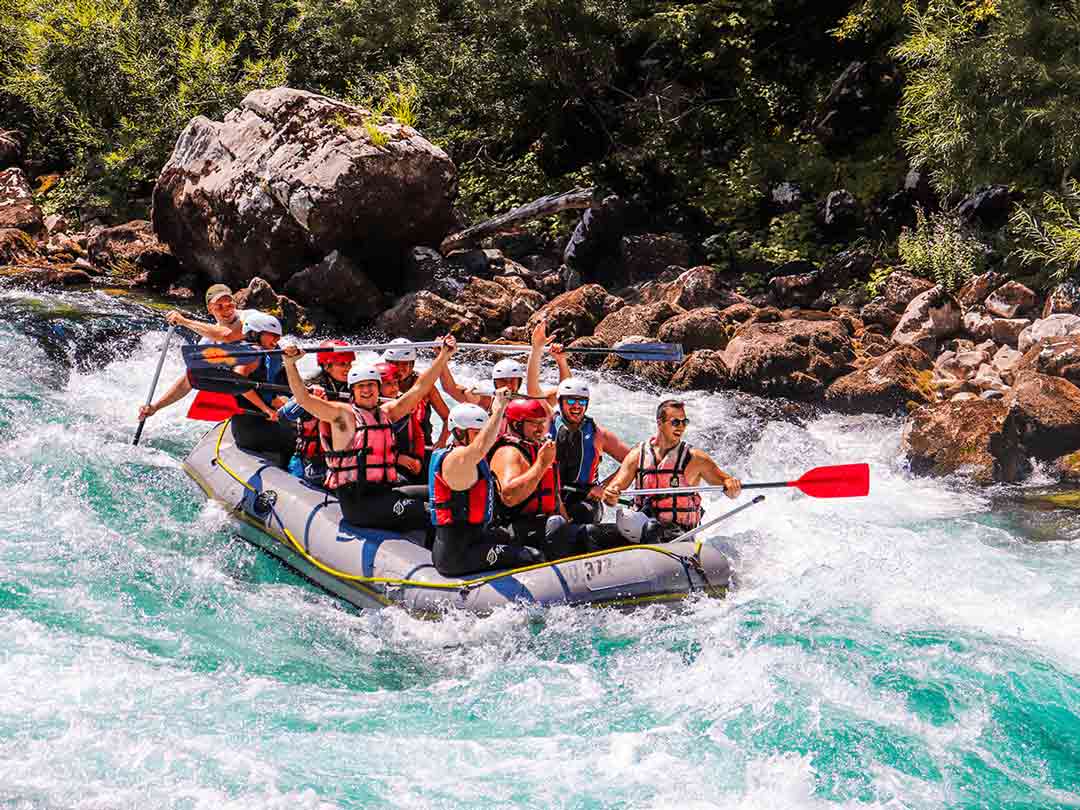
(215, 292)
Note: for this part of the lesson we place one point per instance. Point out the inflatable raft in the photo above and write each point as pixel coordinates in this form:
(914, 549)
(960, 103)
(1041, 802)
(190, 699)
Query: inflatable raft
(303, 526)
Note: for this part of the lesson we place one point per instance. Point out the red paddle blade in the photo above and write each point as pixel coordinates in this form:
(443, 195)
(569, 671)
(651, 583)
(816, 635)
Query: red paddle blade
(210, 406)
(839, 481)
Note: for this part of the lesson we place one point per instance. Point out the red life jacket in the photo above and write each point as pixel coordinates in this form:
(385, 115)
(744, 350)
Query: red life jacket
(450, 507)
(543, 501)
(369, 458)
(308, 446)
(409, 439)
(682, 510)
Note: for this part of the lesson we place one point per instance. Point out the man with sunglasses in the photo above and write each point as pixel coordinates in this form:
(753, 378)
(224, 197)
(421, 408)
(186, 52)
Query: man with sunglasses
(664, 461)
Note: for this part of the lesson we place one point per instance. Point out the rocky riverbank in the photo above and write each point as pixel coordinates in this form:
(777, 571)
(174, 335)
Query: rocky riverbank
(334, 220)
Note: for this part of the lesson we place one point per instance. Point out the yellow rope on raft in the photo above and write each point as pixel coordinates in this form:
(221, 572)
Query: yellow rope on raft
(415, 583)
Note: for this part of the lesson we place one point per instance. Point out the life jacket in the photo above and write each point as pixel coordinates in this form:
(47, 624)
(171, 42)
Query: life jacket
(369, 458)
(449, 507)
(543, 501)
(409, 439)
(308, 446)
(682, 510)
(270, 370)
(425, 410)
(575, 451)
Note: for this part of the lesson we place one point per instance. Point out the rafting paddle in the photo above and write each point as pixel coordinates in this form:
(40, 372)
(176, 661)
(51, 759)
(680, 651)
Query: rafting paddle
(153, 384)
(227, 355)
(838, 481)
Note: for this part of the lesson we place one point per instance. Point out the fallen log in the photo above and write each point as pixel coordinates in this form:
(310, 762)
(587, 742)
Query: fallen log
(545, 206)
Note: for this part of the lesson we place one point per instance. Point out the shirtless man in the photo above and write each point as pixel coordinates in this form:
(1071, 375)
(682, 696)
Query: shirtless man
(666, 460)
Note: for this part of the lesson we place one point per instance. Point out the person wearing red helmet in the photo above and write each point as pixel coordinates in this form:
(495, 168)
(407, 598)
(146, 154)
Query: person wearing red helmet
(409, 440)
(523, 463)
(331, 382)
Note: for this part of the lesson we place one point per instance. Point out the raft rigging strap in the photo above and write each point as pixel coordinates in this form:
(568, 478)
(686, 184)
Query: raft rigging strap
(464, 586)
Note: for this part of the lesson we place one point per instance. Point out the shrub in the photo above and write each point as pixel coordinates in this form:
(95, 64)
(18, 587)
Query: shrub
(942, 249)
(1049, 236)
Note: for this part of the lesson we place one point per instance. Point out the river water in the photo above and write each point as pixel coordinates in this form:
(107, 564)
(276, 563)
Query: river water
(919, 648)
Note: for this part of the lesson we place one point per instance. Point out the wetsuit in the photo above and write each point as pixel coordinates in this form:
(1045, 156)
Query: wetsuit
(466, 542)
(578, 458)
(253, 431)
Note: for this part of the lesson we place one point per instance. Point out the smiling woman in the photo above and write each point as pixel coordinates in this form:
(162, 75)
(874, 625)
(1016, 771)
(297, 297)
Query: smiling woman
(911, 648)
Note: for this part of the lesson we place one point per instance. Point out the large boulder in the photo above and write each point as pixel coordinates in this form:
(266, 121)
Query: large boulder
(338, 286)
(702, 370)
(16, 246)
(793, 358)
(885, 384)
(425, 316)
(640, 319)
(426, 269)
(289, 177)
(1064, 298)
(988, 206)
(704, 328)
(1049, 410)
(839, 213)
(701, 286)
(1058, 325)
(798, 289)
(491, 301)
(134, 246)
(576, 313)
(1011, 299)
(17, 209)
(648, 254)
(976, 437)
(259, 294)
(975, 292)
(594, 243)
(1056, 356)
(930, 317)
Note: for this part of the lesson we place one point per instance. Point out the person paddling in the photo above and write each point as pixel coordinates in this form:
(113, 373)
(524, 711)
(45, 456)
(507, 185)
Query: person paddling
(461, 490)
(257, 429)
(227, 328)
(358, 443)
(666, 460)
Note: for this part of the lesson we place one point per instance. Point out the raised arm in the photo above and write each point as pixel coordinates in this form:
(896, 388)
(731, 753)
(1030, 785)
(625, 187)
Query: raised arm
(319, 408)
(459, 467)
(408, 401)
(612, 445)
(556, 351)
(532, 370)
(453, 389)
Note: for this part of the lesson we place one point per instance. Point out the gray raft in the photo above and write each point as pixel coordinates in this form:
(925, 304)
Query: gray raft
(303, 526)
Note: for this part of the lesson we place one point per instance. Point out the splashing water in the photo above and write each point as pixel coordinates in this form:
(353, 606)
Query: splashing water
(914, 649)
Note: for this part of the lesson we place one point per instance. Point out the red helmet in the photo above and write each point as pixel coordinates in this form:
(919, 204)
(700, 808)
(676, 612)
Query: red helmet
(520, 409)
(387, 372)
(325, 358)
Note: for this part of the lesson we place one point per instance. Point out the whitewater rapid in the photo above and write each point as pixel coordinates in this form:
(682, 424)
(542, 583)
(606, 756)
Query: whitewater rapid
(913, 649)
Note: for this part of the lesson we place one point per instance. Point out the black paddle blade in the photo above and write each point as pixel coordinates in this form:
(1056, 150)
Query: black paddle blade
(650, 352)
(223, 382)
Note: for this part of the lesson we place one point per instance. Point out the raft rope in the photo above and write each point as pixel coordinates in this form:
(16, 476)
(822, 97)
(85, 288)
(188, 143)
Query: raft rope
(464, 586)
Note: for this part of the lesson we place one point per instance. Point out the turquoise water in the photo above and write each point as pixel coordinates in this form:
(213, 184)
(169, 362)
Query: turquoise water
(916, 649)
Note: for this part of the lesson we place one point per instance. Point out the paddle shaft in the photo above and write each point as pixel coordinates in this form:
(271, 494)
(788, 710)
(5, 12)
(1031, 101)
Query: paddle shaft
(627, 351)
(153, 384)
(708, 525)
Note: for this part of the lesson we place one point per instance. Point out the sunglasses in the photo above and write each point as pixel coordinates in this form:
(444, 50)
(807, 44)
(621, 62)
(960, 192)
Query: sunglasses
(572, 401)
(679, 422)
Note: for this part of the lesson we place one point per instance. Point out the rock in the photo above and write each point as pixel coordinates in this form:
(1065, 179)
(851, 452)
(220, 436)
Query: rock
(856, 104)
(339, 287)
(978, 324)
(648, 254)
(1004, 362)
(16, 246)
(54, 223)
(566, 279)
(839, 213)
(596, 238)
(929, 317)
(1056, 356)
(1068, 467)
(640, 319)
(183, 289)
(918, 187)
(987, 379)
(17, 209)
(703, 328)
(701, 370)
(426, 269)
(1049, 409)
(289, 177)
(964, 396)
(516, 334)
(10, 148)
(701, 286)
(988, 206)
(477, 262)
(978, 437)
(847, 266)
(491, 302)
(785, 198)
(1057, 325)
(1007, 330)
(539, 265)
(133, 247)
(876, 312)
(425, 316)
(798, 289)
(1011, 299)
(576, 313)
(885, 384)
(793, 358)
(53, 275)
(525, 303)
(901, 289)
(975, 292)
(259, 294)
(1063, 299)
(518, 244)
(739, 313)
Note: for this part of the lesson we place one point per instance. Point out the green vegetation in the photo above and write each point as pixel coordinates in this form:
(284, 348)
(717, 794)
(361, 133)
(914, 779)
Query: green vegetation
(695, 110)
(941, 248)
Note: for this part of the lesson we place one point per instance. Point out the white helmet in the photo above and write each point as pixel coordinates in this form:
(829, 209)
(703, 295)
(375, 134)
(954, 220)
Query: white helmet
(467, 416)
(403, 354)
(508, 369)
(484, 388)
(573, 387)
(260, 322)
(363, 372)
(630, 523)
